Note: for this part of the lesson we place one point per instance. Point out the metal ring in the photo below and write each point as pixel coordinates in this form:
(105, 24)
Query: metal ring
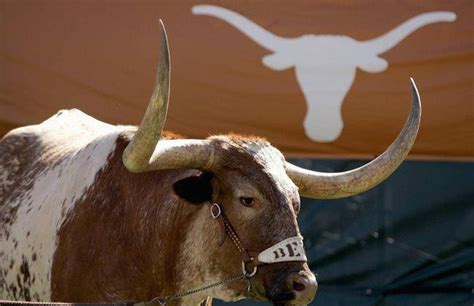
(247, 274)
(219, 211)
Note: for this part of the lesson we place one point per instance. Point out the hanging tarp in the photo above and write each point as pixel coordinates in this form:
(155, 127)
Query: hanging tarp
(317, 78)
(409, 241)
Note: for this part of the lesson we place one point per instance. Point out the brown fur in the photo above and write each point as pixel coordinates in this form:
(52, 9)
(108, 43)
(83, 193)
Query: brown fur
(19, 167)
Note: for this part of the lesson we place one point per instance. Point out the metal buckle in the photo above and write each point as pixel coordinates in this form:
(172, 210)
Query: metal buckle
(219, 211)
(247, 274)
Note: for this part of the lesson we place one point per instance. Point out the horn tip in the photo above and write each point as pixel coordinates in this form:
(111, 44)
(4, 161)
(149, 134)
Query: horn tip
(415, 96)
(416, 93)
(162, 28)
(162, 25)
(413, 84)
(164, 35)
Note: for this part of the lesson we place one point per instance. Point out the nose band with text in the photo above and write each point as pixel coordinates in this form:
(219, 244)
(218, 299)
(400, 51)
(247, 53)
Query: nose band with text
(290, 249)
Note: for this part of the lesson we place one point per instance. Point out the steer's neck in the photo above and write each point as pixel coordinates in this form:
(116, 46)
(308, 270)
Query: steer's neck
(122, 238)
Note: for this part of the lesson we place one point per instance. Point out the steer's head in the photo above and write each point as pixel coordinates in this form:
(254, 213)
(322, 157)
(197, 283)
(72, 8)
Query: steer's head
(247, 198)
(249, 182)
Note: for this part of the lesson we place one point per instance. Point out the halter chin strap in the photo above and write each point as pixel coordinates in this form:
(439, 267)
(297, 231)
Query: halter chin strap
(290, 249)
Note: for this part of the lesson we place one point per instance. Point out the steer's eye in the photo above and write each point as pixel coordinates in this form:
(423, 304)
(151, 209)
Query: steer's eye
(246, 201)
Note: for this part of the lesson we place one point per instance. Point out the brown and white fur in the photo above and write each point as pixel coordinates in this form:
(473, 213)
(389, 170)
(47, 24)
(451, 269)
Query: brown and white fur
(76, 226)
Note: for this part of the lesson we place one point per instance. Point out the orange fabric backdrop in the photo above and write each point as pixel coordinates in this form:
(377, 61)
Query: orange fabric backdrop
(100, 57)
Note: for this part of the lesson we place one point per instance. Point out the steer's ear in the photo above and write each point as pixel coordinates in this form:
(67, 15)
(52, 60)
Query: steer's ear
(195, 189)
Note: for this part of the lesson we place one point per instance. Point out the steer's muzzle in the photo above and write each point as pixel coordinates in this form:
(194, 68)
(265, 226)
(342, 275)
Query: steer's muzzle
(291, 285)
(303, 285)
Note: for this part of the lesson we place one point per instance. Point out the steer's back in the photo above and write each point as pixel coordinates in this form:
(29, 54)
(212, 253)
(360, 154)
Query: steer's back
(44, 170)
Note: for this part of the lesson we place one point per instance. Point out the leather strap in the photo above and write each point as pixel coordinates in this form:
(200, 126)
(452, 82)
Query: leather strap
(290, 249)
(228, 230)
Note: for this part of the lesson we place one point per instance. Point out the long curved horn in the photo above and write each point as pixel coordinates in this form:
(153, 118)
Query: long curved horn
(144, 153)
(387, 41)
(264, 38)
(320, 185)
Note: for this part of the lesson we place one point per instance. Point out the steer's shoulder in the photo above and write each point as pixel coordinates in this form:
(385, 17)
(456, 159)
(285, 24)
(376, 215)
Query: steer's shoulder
(67, 135)
(68, 129)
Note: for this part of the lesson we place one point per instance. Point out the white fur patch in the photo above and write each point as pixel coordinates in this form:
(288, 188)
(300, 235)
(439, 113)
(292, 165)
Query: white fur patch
(274, 163)
(77, 147)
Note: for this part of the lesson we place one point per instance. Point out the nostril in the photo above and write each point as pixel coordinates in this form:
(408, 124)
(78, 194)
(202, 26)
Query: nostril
(303, 286)
(298, 286)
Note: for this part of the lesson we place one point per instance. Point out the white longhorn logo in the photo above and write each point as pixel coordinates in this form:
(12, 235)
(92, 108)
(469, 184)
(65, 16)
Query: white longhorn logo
(325, 65)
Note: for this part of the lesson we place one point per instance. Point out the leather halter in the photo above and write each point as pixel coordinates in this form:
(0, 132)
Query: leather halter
(252, 259)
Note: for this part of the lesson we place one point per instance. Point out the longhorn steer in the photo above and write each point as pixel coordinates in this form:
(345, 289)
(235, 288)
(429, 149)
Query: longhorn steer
(91, 212)
(325, 65)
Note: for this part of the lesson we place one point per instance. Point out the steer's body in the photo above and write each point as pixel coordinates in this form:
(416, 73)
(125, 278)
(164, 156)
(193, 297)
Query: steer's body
(73, 219)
